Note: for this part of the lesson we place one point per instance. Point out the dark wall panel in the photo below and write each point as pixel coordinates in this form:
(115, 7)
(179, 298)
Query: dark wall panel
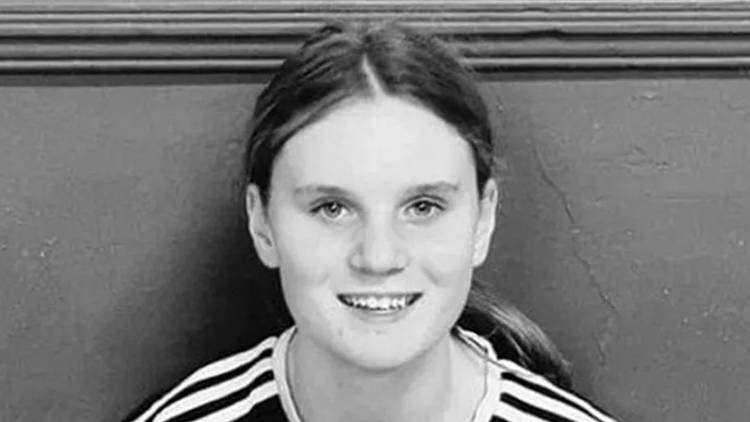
(117, 214)
(624, 231)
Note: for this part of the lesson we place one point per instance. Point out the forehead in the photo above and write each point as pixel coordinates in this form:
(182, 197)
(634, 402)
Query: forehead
(383, 141)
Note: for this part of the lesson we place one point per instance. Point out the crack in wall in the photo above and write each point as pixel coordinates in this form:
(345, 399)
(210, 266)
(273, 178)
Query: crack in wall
(577, 254)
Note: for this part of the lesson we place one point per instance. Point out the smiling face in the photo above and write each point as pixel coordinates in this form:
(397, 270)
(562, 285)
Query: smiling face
(375, 223)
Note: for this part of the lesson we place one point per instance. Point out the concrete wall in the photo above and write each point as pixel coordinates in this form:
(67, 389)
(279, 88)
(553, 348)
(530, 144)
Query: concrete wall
(625, 232)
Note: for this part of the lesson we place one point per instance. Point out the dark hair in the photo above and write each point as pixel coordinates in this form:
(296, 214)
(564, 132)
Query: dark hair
(339, 62)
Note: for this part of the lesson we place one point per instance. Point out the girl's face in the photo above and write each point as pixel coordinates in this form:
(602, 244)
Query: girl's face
(375, 224)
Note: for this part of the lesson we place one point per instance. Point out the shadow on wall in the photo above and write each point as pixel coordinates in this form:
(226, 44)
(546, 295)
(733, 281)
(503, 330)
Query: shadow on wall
(220, 310)
(123, 256)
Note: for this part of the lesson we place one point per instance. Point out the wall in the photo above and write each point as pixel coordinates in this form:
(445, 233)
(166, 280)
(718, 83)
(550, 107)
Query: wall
(624, 231)
(117, 214)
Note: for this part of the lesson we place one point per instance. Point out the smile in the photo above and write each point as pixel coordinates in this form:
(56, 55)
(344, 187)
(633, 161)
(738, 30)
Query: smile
(381, 303)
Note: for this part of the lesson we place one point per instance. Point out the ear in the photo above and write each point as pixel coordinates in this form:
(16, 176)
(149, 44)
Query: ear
(486, 223)
(259, 227)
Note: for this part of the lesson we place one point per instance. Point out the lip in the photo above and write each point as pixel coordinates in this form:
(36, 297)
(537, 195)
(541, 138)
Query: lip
(380, 295)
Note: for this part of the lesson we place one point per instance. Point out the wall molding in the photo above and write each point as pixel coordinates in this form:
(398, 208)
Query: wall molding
(118, 36)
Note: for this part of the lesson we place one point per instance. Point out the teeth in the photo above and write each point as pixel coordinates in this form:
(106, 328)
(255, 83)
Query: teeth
(385, 303)
(377, 303)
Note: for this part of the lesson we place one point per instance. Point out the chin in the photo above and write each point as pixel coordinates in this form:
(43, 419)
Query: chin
(389, 353)
(382, 361)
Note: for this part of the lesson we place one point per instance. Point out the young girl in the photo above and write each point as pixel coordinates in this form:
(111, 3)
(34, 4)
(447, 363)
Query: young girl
(370, 190)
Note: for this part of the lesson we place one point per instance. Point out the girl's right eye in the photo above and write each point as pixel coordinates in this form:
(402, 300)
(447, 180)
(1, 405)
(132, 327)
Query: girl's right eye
(331, 210)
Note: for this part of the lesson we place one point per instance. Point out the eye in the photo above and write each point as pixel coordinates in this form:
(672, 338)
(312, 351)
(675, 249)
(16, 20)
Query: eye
(424, 209)
(331, 210)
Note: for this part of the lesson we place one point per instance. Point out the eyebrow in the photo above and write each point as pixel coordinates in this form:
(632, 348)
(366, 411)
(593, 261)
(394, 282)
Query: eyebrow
(436, 188)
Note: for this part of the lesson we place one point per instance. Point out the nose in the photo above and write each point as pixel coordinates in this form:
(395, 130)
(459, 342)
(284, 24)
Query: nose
(379, 250)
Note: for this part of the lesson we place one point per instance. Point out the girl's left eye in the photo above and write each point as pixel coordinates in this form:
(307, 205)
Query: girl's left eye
(424, 209)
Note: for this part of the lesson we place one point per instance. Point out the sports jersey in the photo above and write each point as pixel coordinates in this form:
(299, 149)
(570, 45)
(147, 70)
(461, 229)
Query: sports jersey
(251, 386)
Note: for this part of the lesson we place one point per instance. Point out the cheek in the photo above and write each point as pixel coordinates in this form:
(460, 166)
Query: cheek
(306, 253)
(308, 262)
(446, 252)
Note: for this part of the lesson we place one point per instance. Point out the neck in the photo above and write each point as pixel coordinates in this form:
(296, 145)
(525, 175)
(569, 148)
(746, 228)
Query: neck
(445, 384)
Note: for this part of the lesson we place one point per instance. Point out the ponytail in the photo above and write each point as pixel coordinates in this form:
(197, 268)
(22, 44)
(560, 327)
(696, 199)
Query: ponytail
(513, 335)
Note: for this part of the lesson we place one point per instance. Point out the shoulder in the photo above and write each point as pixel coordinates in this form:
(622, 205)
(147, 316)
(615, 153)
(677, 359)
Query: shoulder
(233, 388)
(526, 396)
(518, 394)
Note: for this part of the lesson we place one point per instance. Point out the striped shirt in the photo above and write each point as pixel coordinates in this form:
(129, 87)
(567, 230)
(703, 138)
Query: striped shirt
(251, 387)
